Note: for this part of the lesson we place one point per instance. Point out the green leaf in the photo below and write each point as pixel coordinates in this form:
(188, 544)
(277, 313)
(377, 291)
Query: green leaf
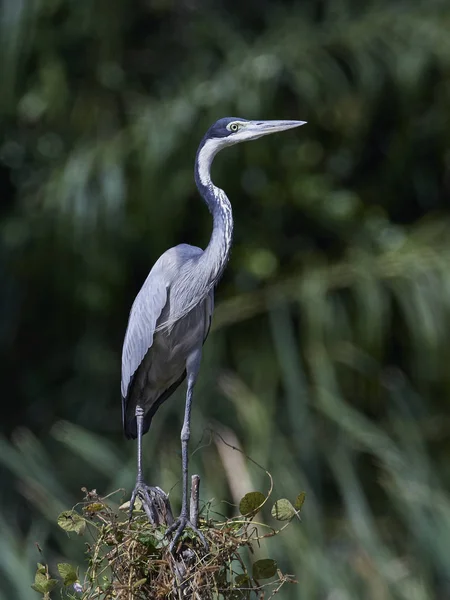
(41, 584)
(242, 580)
(149, 540)
(39, 581)
(283, 510)
(69, 520)
(137, 506)
(251, 503)
(41, 568)
(264, 568)
(68, 573)
(139, 583)
(36, 588)
(50, 584)
(300, 500)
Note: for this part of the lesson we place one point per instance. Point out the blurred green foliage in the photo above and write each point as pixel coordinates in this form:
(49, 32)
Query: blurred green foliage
(328, 362)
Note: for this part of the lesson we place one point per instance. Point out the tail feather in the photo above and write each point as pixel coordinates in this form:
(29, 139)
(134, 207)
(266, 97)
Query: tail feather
(129, 420)
(130, 426)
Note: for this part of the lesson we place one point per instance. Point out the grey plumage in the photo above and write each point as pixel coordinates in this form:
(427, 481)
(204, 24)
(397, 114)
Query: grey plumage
(171, 315)
(156, 345)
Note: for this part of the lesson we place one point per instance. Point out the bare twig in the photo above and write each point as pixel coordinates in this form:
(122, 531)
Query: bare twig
(195, 491)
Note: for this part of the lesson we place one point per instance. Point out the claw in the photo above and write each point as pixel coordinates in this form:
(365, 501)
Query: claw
(154, 502)
(178, 526)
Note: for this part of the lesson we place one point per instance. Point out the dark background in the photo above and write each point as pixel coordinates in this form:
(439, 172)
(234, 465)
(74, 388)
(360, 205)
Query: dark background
(329, 358)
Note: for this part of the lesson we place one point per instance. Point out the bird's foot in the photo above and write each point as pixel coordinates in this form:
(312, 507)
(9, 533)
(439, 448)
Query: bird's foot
(177, 528)
(154, 502)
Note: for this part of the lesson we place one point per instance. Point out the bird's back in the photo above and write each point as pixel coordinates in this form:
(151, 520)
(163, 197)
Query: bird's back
(163, 330)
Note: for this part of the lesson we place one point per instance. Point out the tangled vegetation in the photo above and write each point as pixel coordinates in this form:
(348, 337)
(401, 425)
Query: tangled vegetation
(130, 559)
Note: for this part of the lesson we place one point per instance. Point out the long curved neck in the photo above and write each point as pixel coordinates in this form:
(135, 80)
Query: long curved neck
(215, 256)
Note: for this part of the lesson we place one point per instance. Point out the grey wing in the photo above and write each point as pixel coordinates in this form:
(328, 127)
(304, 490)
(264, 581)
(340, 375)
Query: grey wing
(143, 322)
(130, 432)
(145, 312)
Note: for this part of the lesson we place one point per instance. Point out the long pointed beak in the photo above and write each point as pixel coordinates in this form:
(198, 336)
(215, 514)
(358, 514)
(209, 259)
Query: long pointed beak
(256, 129)
(264, 127)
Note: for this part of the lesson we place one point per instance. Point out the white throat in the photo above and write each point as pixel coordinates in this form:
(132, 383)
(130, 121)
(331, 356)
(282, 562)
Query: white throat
(205, 157)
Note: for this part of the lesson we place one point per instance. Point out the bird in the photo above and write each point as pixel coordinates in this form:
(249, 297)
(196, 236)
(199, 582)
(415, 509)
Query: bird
(171, 315)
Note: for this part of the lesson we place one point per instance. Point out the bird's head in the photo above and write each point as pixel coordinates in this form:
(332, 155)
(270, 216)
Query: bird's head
(228, 131)
(232, 130)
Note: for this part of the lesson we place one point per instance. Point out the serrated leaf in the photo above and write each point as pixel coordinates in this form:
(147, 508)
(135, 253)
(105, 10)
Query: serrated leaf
(283, 510)
(39, 581)
(68, 573)
(40, 578)
(300, 500)
(69, 520)
(251, 503)
(264, 568)
(51, 583)
(42, 584)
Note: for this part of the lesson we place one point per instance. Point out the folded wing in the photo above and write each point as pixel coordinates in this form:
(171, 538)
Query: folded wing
(144, 314)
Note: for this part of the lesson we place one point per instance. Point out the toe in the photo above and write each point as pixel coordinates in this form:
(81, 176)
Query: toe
(178, 527)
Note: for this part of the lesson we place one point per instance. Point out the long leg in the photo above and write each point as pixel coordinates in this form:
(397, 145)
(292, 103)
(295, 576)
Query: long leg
(154, 500)
(139, 425)
(192, 369)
